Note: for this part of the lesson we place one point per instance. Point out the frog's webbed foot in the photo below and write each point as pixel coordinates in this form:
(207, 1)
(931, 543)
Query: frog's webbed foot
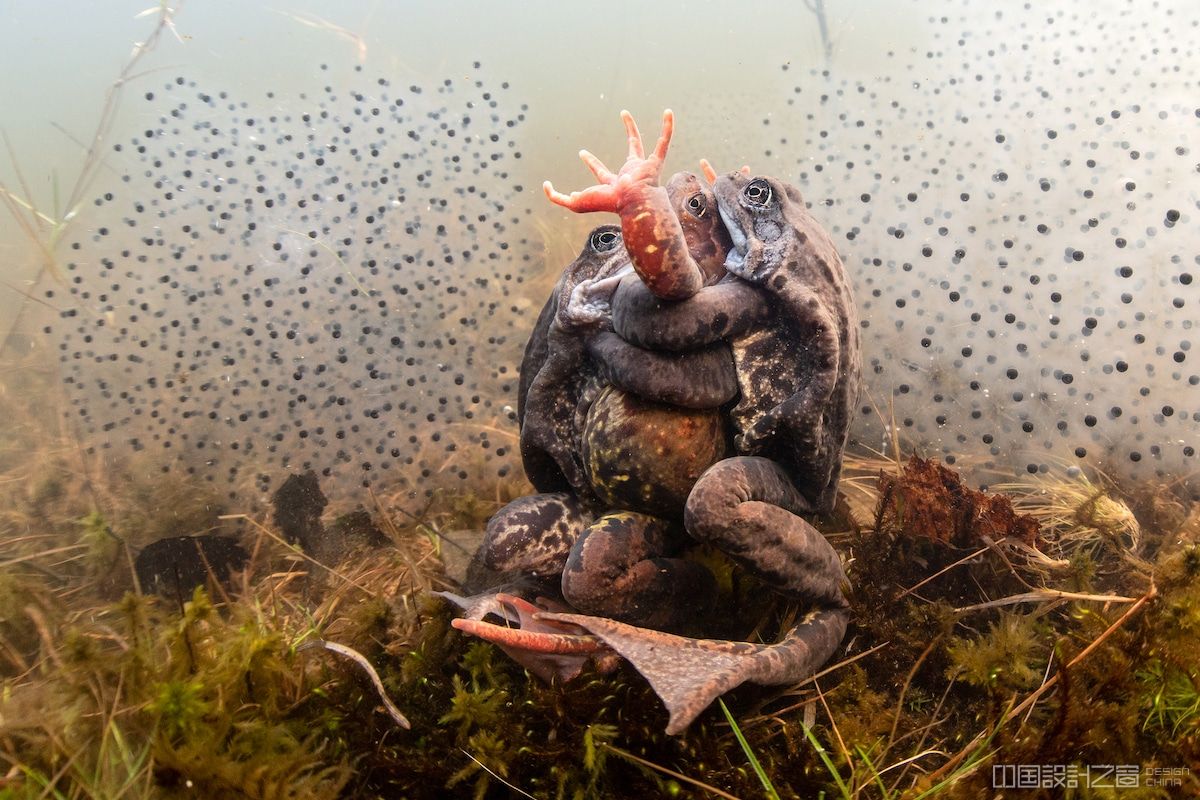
(688, 674)
(549, 648)
(638, 170)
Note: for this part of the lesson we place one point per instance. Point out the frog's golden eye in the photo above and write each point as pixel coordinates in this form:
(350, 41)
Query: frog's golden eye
(696, 205)
(758, 193)
(605, 240)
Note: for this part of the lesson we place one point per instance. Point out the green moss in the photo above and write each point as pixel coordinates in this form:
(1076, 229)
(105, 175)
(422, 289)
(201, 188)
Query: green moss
(147, 699)
(1170, 698)
(102, 547)
(473, 708)
(1009, 656)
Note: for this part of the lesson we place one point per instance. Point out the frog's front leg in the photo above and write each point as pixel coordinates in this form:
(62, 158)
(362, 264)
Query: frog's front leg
(620, 568)
(652, 233)
(701, 379)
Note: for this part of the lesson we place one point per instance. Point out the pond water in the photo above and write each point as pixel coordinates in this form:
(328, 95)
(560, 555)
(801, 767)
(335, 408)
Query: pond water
(314, 236)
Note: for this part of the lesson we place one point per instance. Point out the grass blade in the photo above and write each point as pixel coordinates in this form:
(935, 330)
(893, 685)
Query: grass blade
(753, 759)
(824, 754)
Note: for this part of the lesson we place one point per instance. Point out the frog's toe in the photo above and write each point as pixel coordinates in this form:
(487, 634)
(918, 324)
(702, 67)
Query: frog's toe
(594, 198)
(531, 641)
(550, 649)
(602, 173)
(633, 135)
(664, 138)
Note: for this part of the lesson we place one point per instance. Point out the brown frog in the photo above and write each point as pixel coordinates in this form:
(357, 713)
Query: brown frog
(592, 439)
(784, 307)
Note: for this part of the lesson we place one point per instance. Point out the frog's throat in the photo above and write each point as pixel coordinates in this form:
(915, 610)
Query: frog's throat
(735, 259)
(606, 286)
(592, 303)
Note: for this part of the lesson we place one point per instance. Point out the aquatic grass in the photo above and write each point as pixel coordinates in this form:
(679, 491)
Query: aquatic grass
(374, 605)
(45, 231)
(761, 773)
(873, 771)
(1172, 698)
(1079, 517)
(830, 767)
(150, 683)
(672, 790)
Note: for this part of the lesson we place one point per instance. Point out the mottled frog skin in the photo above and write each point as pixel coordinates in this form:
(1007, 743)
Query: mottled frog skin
(781, 303)
(604, 424)
(799, 379)
(573, 355)
(786, 309)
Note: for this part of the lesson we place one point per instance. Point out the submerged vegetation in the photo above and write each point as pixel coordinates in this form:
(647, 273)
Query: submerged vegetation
(1052, 623)
(1037, 645)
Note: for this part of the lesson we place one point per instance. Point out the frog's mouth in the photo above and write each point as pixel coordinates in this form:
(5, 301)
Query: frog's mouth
(735, 259)
(608, 284)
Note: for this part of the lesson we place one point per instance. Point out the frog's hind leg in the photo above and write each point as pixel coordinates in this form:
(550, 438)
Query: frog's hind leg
(620, 568)
(746, 507)
(688, 674)
(533, 535)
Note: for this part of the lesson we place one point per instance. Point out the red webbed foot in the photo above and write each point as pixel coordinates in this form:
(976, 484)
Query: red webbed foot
(615, 189)
(550, 649)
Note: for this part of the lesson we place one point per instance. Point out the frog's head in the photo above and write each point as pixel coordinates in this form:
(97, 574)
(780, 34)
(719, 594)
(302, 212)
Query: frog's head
(588, 283)
(757, 212)
(695, 206)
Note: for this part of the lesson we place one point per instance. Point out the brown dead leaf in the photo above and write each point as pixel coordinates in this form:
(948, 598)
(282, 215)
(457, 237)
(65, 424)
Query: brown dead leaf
(931, 501)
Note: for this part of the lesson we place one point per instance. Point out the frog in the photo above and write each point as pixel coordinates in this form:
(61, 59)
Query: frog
(573, 355)
(580, 384)
(798, 374)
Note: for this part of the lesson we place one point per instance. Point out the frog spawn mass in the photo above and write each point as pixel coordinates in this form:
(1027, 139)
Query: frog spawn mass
(329, 287)
(1014, 195)
(1017, 203)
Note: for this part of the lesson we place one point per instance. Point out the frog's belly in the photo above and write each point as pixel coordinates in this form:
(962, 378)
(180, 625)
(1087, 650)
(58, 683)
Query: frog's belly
(646, 456)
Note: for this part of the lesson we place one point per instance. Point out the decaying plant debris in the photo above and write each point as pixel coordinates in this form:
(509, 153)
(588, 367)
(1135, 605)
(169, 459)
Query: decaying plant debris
(1025, 627)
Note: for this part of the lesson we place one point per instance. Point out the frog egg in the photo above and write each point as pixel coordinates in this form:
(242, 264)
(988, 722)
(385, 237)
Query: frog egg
(344, 279)
(323, 281)
(1021, 234)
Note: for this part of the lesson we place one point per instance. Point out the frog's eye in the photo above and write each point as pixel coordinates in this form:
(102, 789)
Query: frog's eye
(605, 240)
(696, 205)
(758, 193)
